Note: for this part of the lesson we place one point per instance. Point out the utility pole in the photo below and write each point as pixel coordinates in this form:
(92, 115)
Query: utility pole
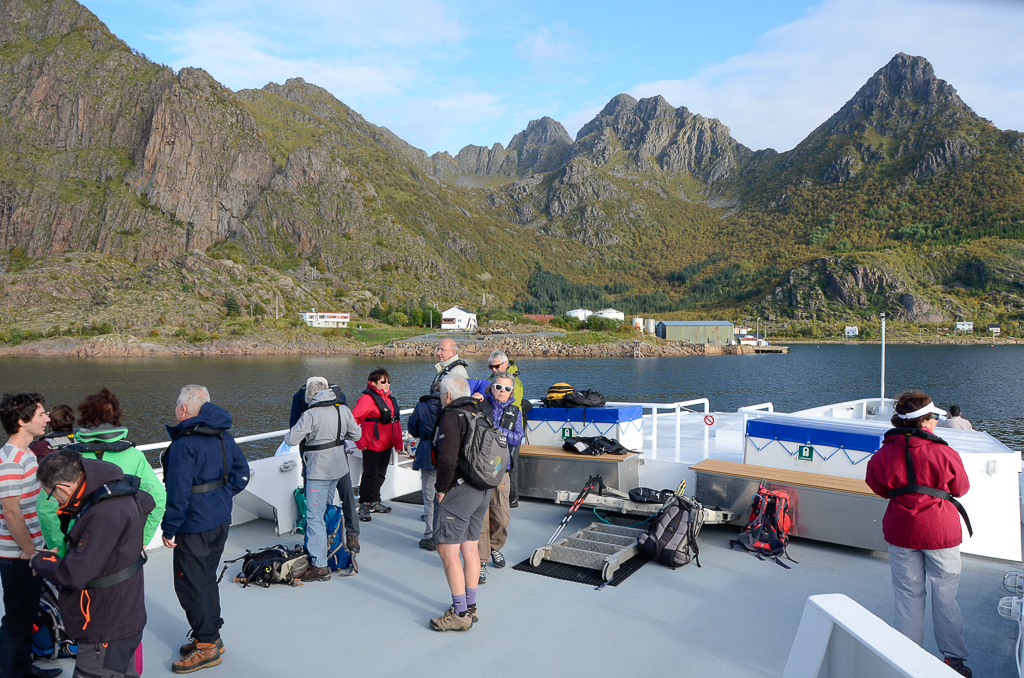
(882, 401)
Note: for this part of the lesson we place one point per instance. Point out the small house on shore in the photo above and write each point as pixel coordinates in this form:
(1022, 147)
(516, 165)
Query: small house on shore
(314, 319)
(458, 318)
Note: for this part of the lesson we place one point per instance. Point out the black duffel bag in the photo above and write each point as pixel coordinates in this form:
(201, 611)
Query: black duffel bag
(593, 446)
(588, 398)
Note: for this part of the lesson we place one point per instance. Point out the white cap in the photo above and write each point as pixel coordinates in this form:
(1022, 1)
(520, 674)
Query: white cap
(927, 409)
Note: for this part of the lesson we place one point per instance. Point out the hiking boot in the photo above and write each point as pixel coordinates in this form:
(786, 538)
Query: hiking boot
(188, 647)
(315, 573)
(513, 504)
(483, 573)
(473, 613)
(380, 507)
(958, 666)
(203, 656)
(364, 512)
(352, 543)
(449, 621)
(428, 544)
(497, 558)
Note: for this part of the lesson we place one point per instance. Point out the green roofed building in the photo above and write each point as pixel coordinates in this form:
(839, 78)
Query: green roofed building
(696, 331)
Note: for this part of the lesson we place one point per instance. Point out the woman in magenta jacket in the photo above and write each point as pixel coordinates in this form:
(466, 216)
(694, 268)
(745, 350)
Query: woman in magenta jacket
(923, 531)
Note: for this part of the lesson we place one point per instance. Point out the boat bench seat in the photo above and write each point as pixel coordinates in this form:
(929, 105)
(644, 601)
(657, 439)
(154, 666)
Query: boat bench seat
(550, 451)
(784, 476)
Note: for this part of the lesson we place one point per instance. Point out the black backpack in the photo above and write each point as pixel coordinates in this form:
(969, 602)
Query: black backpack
(594, 446)
(588, 398)
(273, 565)
(484, 454)
(672, 539)
(49, 637)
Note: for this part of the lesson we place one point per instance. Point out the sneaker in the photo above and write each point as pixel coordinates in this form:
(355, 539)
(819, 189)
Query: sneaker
(352, 543)
(315, 573)
(473, 613)
(364, 513)
(449, 621)
(380, 508)
(958, 666)
(188, 647)
(497, 558)
(428, 544)
(483, 573)
(203, 656)
(514, 504)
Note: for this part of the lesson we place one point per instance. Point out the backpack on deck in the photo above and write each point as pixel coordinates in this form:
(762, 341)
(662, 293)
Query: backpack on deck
(273, 565)
(49, 637)
(672, 539)
(767, 530)
(588, 398)
(484, 454)
(594, 446)
(556, 395)
(338, 557)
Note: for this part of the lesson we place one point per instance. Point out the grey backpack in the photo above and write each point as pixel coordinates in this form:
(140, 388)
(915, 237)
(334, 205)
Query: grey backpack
(484, 454)
(672, 539)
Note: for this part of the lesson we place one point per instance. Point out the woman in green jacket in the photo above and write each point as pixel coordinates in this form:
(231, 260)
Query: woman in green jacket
(101, 436)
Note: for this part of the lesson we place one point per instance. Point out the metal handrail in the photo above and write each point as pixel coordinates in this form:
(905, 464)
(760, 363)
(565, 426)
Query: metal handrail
(768, 407)
(677, 407)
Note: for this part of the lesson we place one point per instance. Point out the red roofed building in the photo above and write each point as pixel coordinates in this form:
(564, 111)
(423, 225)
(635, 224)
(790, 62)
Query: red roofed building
(540, 318)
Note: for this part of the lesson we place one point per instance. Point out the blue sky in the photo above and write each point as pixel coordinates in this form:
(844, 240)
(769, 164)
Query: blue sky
(445, 73)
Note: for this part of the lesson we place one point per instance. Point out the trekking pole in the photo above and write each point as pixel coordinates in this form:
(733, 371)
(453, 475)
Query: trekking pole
(592, 482)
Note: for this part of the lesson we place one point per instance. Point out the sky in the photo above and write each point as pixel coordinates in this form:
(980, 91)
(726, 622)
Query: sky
(446, 73)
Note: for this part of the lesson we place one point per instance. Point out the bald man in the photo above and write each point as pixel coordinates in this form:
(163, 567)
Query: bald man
(448, 362)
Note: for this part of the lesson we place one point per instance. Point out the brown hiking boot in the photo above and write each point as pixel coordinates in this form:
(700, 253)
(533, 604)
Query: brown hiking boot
(188, 647)
(352, 542)
(315, 573)
(449, 621)
(204, 655)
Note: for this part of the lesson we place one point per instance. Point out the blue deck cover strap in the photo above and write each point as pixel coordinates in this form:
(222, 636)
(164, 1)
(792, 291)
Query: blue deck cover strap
(827, 433)
(587, 415)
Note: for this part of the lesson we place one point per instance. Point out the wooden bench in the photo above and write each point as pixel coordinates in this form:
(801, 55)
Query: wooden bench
(544, 470)
(784, 476)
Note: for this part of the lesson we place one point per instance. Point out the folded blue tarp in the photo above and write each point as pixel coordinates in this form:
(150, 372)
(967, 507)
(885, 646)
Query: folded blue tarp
(823, 432)
(587, 415)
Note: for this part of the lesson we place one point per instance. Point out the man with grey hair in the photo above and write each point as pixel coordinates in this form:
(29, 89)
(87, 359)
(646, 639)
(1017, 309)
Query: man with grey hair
(203, 470)
(323, 428)
(448, 362)
(497, 363)
(460, 509)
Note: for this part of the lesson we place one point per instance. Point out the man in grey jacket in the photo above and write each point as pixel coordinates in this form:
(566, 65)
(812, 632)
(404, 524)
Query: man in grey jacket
(324, 427)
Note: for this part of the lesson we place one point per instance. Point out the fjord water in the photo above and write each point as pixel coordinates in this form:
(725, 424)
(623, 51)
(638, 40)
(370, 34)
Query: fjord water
(987, 382)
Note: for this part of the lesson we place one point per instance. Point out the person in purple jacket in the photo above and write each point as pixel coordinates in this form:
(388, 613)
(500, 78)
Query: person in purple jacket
(509, 420)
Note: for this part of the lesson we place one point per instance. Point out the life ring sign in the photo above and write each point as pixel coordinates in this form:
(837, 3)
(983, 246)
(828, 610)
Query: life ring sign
(709, 420)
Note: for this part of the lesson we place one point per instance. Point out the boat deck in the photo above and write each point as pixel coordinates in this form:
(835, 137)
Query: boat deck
(734, 617)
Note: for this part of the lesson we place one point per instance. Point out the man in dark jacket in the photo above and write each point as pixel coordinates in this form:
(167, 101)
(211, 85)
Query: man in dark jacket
(345, 491)
(102, 595)
(421, 425)
(459, 516)
(203, 470)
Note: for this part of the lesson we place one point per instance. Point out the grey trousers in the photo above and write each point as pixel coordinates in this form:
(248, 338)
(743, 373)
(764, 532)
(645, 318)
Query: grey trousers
(941, 567)
(427, 480)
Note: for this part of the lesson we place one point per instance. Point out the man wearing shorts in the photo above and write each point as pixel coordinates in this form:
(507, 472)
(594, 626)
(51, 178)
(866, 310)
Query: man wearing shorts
(460, 509)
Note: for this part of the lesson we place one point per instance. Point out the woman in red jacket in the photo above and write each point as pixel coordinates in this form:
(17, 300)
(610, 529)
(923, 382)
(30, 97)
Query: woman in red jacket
(923, 531)
(376, 411)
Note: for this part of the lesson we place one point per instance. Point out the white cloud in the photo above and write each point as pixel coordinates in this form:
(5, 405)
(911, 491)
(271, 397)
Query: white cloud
(801, 73)
(551, 46)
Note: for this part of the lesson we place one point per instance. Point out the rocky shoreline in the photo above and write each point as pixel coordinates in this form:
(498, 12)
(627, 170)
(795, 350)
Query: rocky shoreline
(129, 346)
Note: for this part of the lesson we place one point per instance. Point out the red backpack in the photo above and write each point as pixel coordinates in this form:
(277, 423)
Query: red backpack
(767, 530)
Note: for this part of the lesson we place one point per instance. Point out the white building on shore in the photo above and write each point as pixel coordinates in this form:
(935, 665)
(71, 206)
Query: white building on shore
(314, 319)
(611, 314)
(457, 318)
(579, 313)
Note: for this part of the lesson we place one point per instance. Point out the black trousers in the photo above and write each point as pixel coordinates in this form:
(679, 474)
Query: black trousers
(513, 476)
(21, 601)
(196, 557)
(348, 504)
(375, 468)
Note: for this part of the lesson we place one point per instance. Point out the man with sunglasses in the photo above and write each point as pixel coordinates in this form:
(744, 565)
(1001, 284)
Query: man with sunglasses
(497, 363)
(24, 418)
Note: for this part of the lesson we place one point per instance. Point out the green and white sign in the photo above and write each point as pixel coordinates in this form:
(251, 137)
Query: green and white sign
(567, 432)
(805, 453)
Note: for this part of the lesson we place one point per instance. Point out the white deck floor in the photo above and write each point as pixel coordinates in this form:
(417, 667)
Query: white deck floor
(734, 617)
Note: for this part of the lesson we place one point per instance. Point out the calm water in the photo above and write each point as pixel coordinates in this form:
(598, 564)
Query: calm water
(987, 382)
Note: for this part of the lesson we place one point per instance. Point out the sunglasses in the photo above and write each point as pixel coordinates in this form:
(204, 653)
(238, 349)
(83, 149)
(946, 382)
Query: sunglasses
(502, 387)
(495, 367)
(384, 381)
(49, 495)
(933, 416)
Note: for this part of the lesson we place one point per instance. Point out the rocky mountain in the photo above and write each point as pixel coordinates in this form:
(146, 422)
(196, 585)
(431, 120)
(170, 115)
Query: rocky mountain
(112, 158)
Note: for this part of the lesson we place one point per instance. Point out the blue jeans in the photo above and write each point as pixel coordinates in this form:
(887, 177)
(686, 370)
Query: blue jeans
(21, 600)
(319, 493)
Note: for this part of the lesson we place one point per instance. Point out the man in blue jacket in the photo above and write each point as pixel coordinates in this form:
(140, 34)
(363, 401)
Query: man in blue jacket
(421, 424)
(203, 470)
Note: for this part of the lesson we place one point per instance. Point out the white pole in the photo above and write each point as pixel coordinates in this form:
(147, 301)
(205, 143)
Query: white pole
(882, 402)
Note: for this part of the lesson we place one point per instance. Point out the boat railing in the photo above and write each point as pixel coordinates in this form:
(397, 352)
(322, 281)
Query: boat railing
(678, 408)
(767, 407)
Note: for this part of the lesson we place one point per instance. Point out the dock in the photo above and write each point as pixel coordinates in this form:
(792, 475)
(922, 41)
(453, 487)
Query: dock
(771, 349)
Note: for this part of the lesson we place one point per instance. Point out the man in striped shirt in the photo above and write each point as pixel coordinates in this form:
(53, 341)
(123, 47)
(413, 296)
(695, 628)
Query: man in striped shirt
(23, 418)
